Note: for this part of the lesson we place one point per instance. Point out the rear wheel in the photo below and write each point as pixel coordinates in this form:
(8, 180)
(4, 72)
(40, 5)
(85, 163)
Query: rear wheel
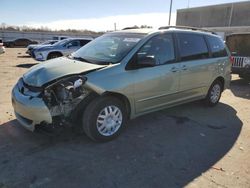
(214, 93)
(104, 118)
(54, 55)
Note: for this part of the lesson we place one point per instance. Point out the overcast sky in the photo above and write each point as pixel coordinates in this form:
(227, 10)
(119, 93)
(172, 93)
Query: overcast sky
(97, 15)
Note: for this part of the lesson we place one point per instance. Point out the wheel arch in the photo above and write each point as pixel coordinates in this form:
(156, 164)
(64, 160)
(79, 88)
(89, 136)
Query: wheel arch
(54, 52)
(92, 96)
(222, 80)
(120, 97)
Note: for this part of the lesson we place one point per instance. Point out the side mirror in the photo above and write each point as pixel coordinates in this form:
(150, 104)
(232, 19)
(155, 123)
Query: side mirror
(148, 61)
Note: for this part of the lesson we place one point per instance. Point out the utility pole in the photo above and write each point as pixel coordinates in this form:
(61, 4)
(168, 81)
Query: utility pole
(231, 14)
(170, 10)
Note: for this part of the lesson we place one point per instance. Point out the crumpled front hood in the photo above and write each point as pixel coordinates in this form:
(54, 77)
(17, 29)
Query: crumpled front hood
(56, 68)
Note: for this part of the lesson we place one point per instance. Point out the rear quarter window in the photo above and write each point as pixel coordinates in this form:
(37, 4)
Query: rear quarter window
(192, 46)
(217, 46)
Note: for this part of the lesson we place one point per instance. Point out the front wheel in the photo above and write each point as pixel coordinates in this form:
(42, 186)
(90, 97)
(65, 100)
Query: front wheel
(104, 118)
(214, 93)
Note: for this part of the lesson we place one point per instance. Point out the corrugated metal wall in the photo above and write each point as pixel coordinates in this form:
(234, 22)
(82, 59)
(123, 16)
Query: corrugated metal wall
(224, 15)
(38, 36)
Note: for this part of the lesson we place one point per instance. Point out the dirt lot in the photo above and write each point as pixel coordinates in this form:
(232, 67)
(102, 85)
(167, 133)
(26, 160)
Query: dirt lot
(189, 145)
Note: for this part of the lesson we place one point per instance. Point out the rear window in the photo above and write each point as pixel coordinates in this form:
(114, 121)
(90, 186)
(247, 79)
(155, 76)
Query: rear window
(217, 46)
(192, 46)
(83, 42)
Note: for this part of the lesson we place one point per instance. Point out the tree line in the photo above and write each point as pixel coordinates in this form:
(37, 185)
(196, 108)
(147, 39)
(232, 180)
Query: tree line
(4, 26)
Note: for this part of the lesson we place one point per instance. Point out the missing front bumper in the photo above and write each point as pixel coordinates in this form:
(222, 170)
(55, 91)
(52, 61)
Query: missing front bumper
(30, 111)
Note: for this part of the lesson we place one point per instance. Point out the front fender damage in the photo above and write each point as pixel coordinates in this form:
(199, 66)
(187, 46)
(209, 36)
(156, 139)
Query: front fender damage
(64, 99)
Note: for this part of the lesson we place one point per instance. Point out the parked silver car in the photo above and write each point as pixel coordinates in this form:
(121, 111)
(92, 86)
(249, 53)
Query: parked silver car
(33, 46)
(61, 48)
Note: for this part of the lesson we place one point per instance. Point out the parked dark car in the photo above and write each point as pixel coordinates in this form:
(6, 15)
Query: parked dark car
(21, 42)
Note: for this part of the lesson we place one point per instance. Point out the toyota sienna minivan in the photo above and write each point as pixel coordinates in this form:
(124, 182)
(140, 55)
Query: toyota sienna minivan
(122, 75)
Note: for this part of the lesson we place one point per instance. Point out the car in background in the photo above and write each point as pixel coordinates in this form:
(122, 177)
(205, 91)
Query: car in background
(2, 48)
(21, 42)
(60, 48)
(239, 45)
(60, 37)
(33, 46)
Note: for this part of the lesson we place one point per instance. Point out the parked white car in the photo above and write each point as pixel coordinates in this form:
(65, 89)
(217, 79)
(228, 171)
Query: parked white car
(2, 48)
(61, 48)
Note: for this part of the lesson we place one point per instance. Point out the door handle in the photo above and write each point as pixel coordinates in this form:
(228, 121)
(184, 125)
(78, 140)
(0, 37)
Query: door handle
(174, 69)
(184, 67)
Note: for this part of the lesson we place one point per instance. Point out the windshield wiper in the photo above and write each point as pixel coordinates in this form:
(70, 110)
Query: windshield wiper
(79, 59)
(88, 61)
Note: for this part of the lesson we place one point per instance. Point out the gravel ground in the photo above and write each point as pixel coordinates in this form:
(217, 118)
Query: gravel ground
(185, 146)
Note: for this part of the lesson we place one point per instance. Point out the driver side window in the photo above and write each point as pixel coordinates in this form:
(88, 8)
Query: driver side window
(157, 51)
(73, 43)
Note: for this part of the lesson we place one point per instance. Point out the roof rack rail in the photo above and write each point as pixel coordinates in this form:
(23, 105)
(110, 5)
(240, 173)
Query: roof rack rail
(187, 27)
(133, 27)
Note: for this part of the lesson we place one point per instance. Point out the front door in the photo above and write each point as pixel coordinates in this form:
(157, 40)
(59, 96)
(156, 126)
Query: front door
(156, 78)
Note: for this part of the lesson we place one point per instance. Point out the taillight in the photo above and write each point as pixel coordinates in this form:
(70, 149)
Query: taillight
(231, 59)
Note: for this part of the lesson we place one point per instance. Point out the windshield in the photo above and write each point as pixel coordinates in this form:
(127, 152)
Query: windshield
(109, 48)
(49, 42)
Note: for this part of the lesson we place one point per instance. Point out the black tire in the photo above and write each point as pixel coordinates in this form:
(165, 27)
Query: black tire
(209, 100)
(91, 113)
(54, 55)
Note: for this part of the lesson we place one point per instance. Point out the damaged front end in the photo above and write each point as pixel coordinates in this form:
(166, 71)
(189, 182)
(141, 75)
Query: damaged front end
(63, 96)
(51, 104)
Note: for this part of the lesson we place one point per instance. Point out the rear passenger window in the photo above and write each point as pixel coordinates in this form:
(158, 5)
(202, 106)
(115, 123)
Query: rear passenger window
(192, 46)
(217, 46)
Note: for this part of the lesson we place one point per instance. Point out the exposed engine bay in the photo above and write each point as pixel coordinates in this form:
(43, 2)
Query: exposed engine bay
(63, 96)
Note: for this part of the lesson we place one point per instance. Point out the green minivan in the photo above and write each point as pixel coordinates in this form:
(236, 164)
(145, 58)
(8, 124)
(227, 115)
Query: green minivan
(122, 75)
